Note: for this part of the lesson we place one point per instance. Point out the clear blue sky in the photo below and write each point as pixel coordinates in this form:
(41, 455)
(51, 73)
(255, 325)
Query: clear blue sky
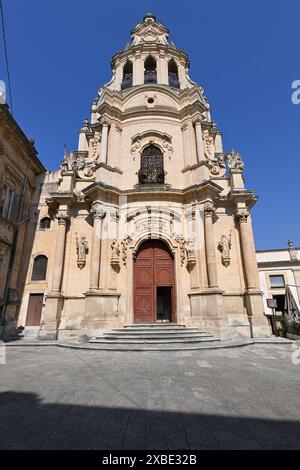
(245, 55)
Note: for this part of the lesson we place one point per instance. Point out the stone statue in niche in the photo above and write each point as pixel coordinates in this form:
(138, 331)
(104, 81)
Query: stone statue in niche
(224, 247)
(115, 253)
(190, 251)
(82, 249)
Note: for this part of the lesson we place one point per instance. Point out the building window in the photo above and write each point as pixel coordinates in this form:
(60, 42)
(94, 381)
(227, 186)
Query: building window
(152, 166)
(45, 223)
(150, 75)
(173, 74)
(39, 269)
(7, 202)
(127, 75)
(277, 281)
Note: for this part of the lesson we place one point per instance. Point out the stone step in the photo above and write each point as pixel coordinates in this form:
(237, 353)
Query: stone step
(123, 332)
(155, 325)
(153, 341)
(153, 335)
(156, 330)
(113, 346)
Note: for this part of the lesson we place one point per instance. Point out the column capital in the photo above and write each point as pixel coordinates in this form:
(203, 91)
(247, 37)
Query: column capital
(184, 126)
(242, 216)
(104, 122)
(197, 120)
(209, 209)
(62, 218)
(97, 211)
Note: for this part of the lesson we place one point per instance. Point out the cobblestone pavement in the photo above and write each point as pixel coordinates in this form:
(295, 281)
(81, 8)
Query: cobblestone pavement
(243, 398)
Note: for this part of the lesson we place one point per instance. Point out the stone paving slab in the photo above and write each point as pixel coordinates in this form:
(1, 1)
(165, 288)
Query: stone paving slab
(235, 398)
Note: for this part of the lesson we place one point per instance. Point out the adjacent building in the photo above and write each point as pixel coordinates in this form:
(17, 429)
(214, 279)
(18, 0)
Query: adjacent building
(277, 270)
(21, 176)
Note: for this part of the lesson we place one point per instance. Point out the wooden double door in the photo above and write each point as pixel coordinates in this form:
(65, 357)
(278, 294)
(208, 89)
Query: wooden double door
(154, 299)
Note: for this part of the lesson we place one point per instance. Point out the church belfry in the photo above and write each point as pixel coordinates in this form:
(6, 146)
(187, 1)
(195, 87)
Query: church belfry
(150, 219)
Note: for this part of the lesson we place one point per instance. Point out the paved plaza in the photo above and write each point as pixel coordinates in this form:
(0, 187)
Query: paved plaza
(238, 398)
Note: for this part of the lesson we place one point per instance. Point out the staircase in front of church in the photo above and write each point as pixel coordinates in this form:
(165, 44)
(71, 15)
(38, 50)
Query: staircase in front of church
(154, 337)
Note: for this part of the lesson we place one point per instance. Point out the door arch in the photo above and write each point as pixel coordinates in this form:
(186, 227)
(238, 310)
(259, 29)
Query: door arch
(154, 285)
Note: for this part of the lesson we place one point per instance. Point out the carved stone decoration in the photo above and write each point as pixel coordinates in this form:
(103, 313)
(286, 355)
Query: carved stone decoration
(140, 141)
(94, 148)
(115, 254)
(149, 32)
(242, 216)
(79, 163)
(217, 165)
(182, 246)
(79, 195)
(235, 162)
(62, 218)
(208, 141)
(97, 212)
(187, 252)
(190, 251)
(82, 248)
(125, 242)
(224, 247)
(209, 209)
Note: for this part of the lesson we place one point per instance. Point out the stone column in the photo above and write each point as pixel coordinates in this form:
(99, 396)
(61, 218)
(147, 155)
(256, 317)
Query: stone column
(104, 139)
(258, 323)
(51, 314)
(182, 75)
(162, 69)
(59, 253)
(248, 251)
(138, 69)
(211, 260)
(98, 214)
(199, 141)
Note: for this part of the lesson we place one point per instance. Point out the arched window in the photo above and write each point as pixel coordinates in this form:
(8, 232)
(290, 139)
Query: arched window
(39, 269)
(152, 166)
(127, 75)
(173, 74)
(45, 223)
(150, 70)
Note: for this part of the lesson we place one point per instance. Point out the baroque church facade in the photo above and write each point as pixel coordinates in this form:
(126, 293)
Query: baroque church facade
(149, 220)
